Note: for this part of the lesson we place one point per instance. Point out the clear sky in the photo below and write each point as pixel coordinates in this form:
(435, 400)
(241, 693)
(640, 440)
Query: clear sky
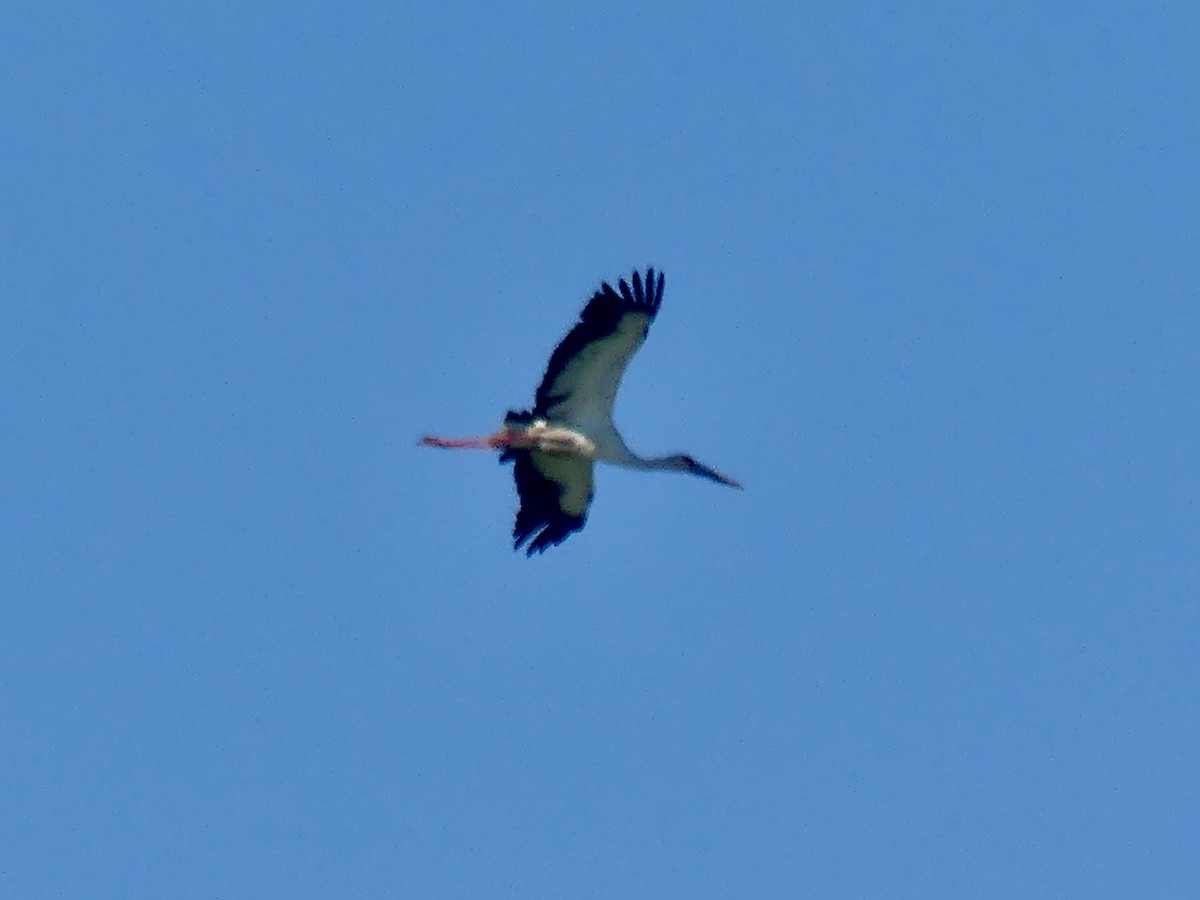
(932, 295)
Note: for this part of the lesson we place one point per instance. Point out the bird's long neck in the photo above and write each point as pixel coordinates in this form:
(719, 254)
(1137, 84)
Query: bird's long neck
(669, 461)
(633, 461)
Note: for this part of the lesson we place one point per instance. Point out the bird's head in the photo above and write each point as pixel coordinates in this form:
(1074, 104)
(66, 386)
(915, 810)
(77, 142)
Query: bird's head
(685, 463)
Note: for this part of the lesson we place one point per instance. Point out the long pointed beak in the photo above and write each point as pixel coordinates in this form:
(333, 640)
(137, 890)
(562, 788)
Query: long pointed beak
(714, 475)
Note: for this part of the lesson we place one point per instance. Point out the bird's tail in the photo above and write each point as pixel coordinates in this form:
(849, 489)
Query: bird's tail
(518, 419)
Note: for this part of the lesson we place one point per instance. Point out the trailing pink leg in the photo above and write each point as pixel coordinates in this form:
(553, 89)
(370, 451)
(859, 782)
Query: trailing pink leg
(491, 442)
(480, 443)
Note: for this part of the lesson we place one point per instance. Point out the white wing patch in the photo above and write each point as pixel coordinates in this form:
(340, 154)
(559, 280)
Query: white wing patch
(573, 477)
(588, 383)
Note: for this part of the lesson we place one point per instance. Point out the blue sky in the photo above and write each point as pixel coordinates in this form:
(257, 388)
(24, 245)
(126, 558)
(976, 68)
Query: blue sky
(932, 276)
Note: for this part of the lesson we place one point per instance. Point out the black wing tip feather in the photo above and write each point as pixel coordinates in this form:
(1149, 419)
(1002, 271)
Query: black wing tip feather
(540, 522)
(644, 297)
(545, 534)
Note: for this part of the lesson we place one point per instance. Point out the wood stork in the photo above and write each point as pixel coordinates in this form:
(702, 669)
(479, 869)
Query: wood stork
(553, 446)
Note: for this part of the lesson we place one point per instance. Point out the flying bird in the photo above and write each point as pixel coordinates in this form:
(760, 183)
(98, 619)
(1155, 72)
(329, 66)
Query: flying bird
(554, 446)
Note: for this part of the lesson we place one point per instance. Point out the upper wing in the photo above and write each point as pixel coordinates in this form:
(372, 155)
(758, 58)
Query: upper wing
(555, 492)
(585, 369)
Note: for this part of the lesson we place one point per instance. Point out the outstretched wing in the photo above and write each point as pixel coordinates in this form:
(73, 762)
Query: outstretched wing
(555, 492)
(585, 370)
